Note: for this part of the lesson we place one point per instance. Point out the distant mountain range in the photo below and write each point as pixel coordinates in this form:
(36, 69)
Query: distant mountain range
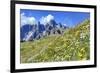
(37, 31)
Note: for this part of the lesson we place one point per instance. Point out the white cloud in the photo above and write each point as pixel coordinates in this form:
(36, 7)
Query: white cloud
(45, 19)
(27, 20)
(50, 17)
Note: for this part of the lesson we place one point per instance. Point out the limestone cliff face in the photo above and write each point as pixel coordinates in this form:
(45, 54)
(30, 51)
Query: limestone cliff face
(37, 31)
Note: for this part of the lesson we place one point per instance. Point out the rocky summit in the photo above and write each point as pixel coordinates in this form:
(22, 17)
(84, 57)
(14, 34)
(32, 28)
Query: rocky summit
(37, 31)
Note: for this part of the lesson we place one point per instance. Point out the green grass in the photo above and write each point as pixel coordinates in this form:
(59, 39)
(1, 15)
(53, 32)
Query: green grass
(72, 45)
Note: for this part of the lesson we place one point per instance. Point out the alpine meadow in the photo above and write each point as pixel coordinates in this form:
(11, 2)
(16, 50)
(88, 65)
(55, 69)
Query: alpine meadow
(53, 39)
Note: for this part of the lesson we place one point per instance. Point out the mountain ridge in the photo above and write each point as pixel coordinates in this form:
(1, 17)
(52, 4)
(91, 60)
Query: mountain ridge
(36, 31)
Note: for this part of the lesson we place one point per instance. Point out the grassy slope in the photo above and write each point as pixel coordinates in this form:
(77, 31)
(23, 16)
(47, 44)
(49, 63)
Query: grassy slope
(73, 45)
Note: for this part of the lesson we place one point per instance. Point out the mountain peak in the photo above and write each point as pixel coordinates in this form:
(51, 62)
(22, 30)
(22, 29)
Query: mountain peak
(37, 30)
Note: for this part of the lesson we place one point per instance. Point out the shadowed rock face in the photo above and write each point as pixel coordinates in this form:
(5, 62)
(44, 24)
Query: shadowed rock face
(37, 31)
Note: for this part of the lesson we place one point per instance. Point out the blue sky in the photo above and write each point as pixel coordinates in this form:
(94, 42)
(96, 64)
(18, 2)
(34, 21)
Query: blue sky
(69, 18)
